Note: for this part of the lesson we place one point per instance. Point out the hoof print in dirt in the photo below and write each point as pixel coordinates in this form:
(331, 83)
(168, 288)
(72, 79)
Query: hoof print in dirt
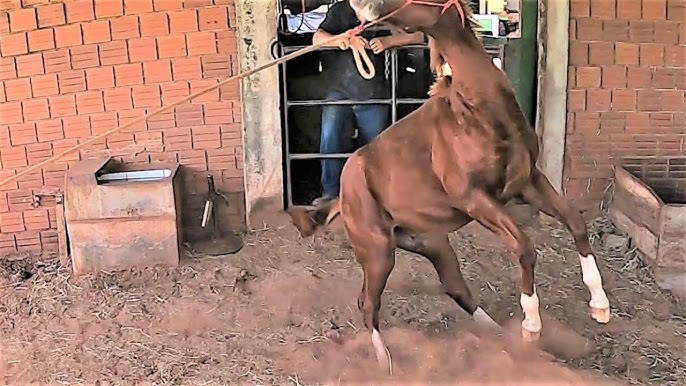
(240, 283)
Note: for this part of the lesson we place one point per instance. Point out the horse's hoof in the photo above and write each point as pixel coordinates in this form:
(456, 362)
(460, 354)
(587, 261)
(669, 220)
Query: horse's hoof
(383, 356)
(601, 315)
(529, 336)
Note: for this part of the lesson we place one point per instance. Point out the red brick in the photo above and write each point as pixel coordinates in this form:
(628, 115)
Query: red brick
(220, 112)
(598, 100)
(113, 53)
(626, 53)
(22, 19)
(188, 115)
(227, 43)
(200, 43)
(587, 77)
(654, 10)
(76, 127)
(43, 85)
(5, 136)
(18, 89)
(589, 30)
(193, 159)
(125, 27)
(142, 49)
(89, 102)
(8, 68)
(79, 10)
(23, 133)
(146, 96)
(579, 8)
(186, 69)
(57, 60)
(39, 40)
(62, 106)
(214, 18)
(614, 76)
(51, 15)
(673, 100)
(219, 66)
(600, 53)
(60, 146)
(652, 54)
(28, 242)
(612, 122)
(126, 116)
(108, 8)
(628, 9)
(84, 56)
(664, 78)
(164, 120)
(8, 244)
(31, 64)
(676, 10)
(100, 77)
(211, 96)
(34, 109)
(675, 56)
(4, 30)
(168, 5)
(183, 21)
(641, 31)
(157, 72)
(171, 92)
(618, 29)
(638, 77)
(38, 152)
(137, 6)
(206, 137)
(96, 32)
(197, 3)
(667, 32)
(103, 122)
(578, 53)
(71, 81)
(14, 44)
(49, 131)
(154, 24)
(171, 46)
(10, 112)
(68, 35)
(128, 74)
(11, 222)
(623, 100)
(118, 99)
(648, 100)
(603, 9)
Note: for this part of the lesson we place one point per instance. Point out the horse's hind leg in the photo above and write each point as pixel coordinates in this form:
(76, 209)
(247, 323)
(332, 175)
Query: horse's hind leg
(492, 215)
(437, 249)
(542, 195)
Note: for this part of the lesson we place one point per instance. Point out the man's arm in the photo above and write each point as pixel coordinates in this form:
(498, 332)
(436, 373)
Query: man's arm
(396, 40)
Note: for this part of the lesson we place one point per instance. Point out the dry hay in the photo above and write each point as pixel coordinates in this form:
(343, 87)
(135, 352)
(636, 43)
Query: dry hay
(283, 312)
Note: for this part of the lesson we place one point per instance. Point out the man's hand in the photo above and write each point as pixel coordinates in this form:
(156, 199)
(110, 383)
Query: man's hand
(343, 43)
(378, 45)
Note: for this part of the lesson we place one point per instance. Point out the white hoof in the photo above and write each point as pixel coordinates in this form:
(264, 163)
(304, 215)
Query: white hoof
(383, 356)
(601, 315)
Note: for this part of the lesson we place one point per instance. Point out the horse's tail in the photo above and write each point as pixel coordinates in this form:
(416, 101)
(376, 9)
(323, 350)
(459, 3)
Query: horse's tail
(308, 220)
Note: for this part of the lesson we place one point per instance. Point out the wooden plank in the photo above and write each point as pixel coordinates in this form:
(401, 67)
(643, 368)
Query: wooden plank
(642, 237)
(672, 239)
(637, 200)
(61, 232)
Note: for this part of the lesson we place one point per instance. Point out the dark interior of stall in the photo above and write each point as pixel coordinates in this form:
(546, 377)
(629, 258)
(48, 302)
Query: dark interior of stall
(302, 94)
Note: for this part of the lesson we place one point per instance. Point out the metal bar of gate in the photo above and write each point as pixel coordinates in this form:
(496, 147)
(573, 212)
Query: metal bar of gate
(394, 101)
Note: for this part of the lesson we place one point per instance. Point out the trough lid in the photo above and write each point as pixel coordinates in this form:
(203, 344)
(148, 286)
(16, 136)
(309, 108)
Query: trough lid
(141, 175)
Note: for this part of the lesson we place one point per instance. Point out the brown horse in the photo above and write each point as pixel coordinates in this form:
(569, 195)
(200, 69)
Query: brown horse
(461, 156)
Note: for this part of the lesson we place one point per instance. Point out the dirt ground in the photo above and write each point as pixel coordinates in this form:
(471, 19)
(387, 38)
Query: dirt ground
(282, 311)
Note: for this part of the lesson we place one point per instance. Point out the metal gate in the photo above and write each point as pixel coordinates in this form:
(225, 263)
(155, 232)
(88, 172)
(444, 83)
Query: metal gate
(394, 101)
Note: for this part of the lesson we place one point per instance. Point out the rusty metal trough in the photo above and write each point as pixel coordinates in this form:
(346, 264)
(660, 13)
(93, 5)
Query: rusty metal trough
(655, 216)
(119, 216)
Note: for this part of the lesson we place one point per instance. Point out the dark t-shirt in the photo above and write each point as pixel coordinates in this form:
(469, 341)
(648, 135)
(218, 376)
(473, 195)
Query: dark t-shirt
(338, 66)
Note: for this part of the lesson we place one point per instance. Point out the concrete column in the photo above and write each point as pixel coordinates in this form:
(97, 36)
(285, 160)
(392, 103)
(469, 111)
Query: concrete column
(257, 27)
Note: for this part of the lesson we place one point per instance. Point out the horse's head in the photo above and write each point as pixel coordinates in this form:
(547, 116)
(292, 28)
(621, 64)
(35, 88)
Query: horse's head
(411, 15)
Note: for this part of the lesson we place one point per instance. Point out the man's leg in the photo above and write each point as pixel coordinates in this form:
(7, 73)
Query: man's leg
(371, 121)
(334, 120)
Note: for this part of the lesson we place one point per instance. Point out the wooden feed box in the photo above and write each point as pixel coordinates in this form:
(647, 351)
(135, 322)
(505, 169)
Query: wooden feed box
(121, 216)
(655, 218)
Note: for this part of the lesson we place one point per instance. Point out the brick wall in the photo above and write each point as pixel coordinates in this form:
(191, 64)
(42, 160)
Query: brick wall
(74, 68)
(627, 82)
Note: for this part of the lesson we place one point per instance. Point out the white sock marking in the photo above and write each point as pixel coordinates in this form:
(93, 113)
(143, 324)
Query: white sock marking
(532, 318)
(592, 279)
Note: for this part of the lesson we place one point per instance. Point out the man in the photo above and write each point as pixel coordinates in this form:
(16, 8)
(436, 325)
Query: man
(345, 82)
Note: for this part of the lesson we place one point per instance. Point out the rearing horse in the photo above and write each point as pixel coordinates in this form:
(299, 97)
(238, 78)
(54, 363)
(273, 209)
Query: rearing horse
(461, 156)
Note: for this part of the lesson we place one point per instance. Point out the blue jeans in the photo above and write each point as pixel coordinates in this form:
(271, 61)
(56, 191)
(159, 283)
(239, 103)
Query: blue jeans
(371, 121)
